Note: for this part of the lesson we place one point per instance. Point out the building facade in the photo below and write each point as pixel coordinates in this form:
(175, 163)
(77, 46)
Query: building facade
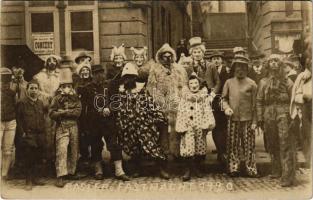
(276, 26)
(67, 27)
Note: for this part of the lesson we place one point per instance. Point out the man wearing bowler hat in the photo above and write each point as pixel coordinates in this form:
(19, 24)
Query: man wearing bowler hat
(100, 123)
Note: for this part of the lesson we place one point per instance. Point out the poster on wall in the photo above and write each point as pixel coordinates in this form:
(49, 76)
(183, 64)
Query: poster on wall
(43, 43)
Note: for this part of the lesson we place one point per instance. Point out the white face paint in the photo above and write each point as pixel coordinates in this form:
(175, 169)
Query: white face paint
(118, 60)
(139, 60)
(85, 72)
(194, 85)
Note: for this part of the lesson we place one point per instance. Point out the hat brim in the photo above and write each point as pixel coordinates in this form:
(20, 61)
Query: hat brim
(85, 56)
(216, 55)
(97, 70)
(239, 62)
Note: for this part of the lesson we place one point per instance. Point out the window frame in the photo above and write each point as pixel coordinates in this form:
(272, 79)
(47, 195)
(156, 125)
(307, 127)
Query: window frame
(95, 20)
(28, 26)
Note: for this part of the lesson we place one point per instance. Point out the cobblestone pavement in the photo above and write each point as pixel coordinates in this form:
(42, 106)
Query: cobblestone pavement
(214, 185)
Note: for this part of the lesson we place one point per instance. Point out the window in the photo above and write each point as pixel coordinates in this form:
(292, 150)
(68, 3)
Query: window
(42, 22)
(82, 31)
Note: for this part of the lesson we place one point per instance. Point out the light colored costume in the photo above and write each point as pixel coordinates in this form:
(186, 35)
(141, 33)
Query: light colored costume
(48, 85)
(193, 117)
(165, 85)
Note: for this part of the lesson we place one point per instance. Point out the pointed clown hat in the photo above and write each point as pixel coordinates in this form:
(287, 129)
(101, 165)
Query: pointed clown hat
(118, 51)
(142, 51)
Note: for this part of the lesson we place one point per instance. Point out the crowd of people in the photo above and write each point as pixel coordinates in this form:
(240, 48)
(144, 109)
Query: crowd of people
(160, 109)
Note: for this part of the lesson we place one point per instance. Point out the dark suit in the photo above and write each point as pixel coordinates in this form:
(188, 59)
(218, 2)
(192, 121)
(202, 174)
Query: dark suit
(220, 130)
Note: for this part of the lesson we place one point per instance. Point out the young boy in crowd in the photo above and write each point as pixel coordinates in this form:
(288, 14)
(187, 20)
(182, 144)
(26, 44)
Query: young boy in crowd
(194, 120)
(30, 120)
(65, 110)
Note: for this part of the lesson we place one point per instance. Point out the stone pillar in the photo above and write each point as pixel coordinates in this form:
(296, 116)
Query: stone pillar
(61, 7)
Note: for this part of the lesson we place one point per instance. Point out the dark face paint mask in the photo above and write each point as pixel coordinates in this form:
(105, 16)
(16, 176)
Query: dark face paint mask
(130, 82)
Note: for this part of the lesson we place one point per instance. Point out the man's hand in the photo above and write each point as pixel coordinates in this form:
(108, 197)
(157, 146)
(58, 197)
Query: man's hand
(229, 112)
(106, 112)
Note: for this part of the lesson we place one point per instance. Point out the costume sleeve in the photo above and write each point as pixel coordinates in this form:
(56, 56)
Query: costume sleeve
(53, 109)
(260, 98)
(75, 110)
(208, 120)
(225, 96)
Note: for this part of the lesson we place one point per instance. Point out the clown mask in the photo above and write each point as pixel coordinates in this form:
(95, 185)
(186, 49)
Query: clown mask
(166, 59)
(241, 70)
(66, 88)
(51, 63)
(274, 64)
(194, 85)
(139, 60)
(118, 60)
(84, 73)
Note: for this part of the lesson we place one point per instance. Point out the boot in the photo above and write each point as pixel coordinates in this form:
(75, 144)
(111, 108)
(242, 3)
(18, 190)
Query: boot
(119, 171)
(197, 166)
(36, 181)
(98, 171)
(29, 184)
(60, 182)
(135, 166)
(187, 173)
(163, 169)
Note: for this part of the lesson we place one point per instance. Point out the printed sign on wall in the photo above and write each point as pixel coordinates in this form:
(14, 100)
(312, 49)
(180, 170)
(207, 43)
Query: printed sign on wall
(43, 43)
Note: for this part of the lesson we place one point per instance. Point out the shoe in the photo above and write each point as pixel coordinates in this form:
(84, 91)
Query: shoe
(37, 182)
(164, 174)
(72, 177)
(187, 175)
(99, 176)
(135, 175)
(274, 176)
(233, 174)
(198, 173)
(253, 175)
(29, 185)
(60, 182)
(286, 183)
(123, 177)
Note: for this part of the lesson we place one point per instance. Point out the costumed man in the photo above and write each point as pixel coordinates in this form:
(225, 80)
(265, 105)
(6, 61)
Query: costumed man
(83, 78)
(239, 105)
(65, 109)
(165, 83)
(297, 63)
(100, 122)
(181, 49)
(289, 70)
(137, 124)
(272, 103)
(219, 133)
(208, 73)
(48, 79)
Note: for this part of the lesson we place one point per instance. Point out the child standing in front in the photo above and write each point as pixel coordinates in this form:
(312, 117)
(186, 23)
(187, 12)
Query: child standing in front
(194, 120)
(65, 110)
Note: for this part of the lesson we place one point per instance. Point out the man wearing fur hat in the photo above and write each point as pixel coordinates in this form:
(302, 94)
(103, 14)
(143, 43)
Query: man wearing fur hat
(100, 123)
(65, 109)
(272, 103)
(239, 105)
(165, 83)
(48, 79)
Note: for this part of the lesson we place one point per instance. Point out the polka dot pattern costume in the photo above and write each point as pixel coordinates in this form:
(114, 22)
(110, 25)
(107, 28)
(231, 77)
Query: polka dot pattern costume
(192, 118)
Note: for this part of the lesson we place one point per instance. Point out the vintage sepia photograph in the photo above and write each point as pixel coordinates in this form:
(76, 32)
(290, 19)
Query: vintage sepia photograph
(172, 99)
